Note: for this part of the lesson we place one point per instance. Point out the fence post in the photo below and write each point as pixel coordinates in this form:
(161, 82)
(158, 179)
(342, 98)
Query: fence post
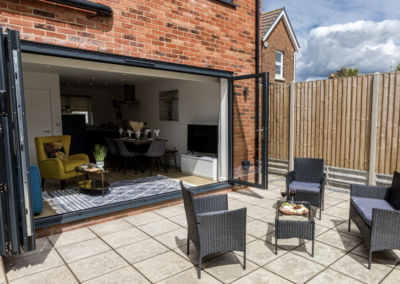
(374, 123)
(291, 127)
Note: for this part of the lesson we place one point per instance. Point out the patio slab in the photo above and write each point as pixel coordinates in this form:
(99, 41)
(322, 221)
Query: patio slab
(110, 227)
(331, 276)
(143, 218)
(59, 275)
(162, 266)
(126, 237)
(71, 237)
(261, 276)
(82, 250)
(294, 268)
(228, 267)
(357, 267)
(141, 250)
(159, 227)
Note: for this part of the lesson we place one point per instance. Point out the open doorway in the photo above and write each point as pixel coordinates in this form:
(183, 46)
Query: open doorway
(90, 101)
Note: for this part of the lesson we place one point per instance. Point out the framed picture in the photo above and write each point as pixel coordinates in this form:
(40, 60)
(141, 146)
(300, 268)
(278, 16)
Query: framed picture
(169, 105)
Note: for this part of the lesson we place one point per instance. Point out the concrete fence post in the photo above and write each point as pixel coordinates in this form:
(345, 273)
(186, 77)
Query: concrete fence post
(291, 127)
(374, 123)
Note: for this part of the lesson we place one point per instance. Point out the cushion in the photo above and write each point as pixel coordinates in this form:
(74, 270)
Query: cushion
(55, 150)
(305, 186)
(70, 165)
(364, 206)
(394, 195)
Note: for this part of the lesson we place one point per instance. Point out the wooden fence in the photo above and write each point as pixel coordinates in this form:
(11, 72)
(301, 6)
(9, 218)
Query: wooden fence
(332, 120)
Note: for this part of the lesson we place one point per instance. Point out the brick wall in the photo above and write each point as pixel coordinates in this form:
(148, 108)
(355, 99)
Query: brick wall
(278, 40)
(202, 33)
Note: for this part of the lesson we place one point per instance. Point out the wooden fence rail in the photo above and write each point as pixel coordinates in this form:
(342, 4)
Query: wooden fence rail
(332, 120)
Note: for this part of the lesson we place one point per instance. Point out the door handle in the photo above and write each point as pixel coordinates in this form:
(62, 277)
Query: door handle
(48, 131)
(260, 129)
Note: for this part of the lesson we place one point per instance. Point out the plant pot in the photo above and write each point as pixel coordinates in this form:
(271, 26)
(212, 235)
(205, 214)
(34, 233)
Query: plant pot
(100, 164)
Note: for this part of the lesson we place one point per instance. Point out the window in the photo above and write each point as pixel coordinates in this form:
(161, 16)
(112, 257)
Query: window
(80, 105)
(279, 65)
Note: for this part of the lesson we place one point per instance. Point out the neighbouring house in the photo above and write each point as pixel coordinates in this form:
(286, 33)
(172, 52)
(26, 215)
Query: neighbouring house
(279, 46)
(75, 73)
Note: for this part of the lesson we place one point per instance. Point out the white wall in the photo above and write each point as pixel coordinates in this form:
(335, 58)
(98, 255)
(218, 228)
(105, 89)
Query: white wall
(199, 103)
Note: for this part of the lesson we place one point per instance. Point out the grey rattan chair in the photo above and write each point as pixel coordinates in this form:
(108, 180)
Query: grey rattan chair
(115, 156)
(212, 227)
(125, 153)
(376, 212)
(155, 152)
(308, 178)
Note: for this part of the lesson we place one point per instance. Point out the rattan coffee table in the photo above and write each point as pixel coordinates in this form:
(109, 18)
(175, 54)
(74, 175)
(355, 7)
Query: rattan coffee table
(95, 184)
(294, 226)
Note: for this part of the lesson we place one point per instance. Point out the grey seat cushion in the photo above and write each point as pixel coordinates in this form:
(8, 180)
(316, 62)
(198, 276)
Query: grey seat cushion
(305, 186)
(364, 207)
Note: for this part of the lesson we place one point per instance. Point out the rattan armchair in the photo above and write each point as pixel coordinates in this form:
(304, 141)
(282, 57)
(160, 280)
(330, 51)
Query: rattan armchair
(308, 178)
(212, 227)
(376, 212)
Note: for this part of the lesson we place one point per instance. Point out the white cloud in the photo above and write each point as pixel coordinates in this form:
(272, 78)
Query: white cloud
(367, 45)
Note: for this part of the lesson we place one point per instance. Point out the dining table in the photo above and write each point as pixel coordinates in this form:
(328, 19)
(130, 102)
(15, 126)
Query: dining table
(139, 145)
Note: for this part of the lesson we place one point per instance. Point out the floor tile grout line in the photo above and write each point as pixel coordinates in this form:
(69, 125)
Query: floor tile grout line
(66, 264)
(36, 272)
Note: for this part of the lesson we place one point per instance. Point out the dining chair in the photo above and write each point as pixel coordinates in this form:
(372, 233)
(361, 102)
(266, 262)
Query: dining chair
(125, 153)
(115, 155)
(155, 152)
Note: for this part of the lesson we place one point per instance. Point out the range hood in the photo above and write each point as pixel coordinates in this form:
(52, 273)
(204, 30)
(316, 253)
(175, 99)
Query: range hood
(130, 96)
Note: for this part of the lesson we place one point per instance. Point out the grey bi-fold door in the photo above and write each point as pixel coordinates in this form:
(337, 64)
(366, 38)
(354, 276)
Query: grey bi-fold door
(17, 228)
(248, 130)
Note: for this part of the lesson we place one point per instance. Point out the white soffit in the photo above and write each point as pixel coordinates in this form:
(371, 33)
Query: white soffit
(112, 68)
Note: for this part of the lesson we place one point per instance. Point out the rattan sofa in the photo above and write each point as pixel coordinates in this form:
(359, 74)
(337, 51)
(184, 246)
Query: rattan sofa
(376, 212)
(212, 227)
(308, 178)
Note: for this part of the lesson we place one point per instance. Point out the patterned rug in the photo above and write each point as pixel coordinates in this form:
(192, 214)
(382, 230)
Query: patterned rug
(120, 191)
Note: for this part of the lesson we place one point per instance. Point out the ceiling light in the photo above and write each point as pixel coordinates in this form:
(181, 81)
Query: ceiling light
(124, 74)
(106, 83)
(122, 80)
(79, 81)
(68, 84)
(48, 66)
(92, 77)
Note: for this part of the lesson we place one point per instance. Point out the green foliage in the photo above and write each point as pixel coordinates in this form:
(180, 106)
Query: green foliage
(397, 67)
(100, 152)
(346, 72)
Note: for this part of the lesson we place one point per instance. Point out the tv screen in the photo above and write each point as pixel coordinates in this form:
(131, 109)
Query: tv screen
(203, 138)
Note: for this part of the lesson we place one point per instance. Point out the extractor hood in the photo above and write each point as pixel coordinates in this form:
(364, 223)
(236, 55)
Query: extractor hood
(130, 96)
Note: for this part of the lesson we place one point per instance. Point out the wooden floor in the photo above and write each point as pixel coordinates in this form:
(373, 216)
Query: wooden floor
(174, 173)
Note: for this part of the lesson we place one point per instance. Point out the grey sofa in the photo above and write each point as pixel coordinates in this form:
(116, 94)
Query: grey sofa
(376, 212)
(212, 227)
(308, 178)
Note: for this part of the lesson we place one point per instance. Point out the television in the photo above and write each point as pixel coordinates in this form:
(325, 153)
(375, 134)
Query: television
(203, 139)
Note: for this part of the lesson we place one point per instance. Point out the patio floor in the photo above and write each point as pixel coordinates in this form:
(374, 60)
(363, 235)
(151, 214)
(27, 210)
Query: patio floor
(150, 248)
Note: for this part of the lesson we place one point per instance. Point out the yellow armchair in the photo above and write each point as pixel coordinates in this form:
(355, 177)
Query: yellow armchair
(55, 168)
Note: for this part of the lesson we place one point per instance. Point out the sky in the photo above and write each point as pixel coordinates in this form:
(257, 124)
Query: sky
(364, 34)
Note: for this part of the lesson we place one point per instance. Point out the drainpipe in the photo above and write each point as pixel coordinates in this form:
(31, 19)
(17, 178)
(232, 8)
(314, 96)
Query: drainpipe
(258, 36)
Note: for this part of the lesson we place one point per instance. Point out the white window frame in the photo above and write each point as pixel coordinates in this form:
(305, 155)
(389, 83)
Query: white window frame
(279, 76)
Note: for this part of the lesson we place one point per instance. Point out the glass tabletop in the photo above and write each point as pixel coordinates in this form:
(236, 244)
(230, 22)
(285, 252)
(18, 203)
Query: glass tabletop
(308, 217)
(92, 170)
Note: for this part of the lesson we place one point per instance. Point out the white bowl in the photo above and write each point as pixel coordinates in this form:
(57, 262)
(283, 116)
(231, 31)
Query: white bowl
(287, 207)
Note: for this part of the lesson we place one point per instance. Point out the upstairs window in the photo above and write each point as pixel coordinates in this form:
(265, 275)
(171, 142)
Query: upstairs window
(279, 65)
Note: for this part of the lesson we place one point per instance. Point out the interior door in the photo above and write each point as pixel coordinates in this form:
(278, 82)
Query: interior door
(16, 214)
(248, 119)
(38, 113)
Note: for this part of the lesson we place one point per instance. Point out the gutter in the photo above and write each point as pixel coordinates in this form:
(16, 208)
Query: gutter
(96, 8)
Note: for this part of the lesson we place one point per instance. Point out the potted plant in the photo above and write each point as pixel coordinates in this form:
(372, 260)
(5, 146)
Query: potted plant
(100, 153)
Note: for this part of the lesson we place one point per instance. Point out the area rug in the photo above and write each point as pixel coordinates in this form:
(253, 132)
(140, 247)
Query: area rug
(120, 191)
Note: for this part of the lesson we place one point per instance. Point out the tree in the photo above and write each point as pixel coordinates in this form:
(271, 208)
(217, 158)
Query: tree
(398, 67)
(346, 72)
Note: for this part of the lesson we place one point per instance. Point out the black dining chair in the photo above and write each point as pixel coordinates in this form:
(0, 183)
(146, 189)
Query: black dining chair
(155, 152)
(125, 153)
(115, 156)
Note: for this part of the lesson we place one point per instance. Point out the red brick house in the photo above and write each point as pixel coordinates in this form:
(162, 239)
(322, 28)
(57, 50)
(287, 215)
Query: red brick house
(279, 46)
(117, 61)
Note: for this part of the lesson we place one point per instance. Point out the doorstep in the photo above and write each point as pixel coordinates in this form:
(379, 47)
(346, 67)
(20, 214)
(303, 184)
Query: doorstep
(59, 228)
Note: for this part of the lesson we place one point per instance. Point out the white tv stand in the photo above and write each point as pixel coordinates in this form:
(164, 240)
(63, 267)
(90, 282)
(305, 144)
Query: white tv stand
(203, 166)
